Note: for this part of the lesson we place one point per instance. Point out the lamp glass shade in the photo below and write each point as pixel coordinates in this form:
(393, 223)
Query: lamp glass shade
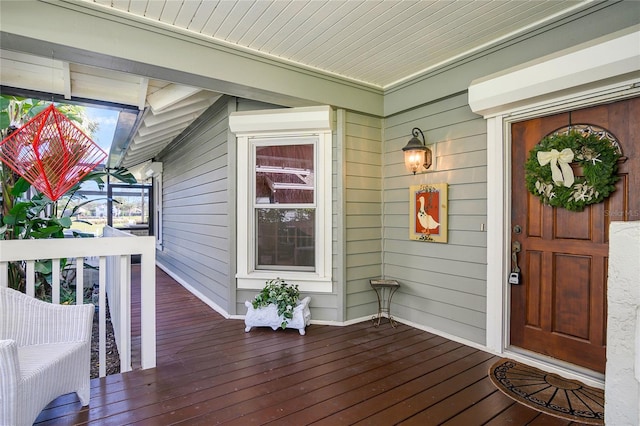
(416, 153)
(414, 159)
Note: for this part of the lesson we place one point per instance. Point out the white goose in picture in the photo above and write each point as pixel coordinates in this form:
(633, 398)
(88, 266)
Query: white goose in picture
(427, 222)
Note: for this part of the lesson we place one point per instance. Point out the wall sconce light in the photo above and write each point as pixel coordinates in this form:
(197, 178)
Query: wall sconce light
(416, 153)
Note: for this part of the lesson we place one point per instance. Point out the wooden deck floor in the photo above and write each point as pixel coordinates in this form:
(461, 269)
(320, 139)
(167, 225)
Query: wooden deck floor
(211, 372)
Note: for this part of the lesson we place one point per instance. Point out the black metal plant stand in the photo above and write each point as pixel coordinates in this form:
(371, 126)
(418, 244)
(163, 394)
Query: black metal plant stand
(384, 291)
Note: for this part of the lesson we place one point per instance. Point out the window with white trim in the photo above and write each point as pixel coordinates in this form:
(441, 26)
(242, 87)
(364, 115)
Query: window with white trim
(284, 207)
(284, 197)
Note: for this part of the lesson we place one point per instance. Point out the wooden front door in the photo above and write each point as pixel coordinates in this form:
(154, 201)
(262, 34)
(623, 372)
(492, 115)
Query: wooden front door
(559, 309)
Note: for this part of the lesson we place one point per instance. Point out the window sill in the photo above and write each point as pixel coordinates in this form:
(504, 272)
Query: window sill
(307, 283)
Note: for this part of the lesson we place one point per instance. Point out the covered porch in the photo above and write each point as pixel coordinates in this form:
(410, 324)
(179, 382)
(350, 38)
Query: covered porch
(210, 371)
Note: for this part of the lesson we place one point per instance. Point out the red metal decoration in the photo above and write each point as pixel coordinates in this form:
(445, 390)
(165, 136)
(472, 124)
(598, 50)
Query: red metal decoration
(51, 153)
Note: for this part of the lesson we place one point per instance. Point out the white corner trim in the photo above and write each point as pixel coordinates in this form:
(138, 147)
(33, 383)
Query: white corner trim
(596, 63)
(497, 215)
(317, 118)
(447, 336)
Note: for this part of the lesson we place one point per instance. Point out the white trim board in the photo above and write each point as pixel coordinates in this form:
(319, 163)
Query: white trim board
(193, 291)
(585, 69)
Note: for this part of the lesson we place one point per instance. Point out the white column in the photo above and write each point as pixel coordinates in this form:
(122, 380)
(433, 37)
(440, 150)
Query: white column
(622, 381)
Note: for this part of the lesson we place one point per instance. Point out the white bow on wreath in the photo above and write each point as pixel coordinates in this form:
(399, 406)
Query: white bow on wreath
(555, 158)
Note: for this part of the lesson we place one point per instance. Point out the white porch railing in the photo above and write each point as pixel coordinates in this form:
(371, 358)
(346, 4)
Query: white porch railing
(108, 250)
(118, 287)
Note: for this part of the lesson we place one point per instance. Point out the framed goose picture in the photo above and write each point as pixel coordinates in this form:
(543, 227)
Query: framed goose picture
(428, 212)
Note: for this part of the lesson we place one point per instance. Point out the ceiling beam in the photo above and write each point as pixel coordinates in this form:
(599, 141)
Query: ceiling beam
(169, 95)
(142, 93)
(66, 77)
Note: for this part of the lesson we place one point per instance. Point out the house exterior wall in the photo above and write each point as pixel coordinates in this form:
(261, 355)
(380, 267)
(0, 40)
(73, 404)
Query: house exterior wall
(195, 206)
(361, 212)
(199, 204)
(442, 286)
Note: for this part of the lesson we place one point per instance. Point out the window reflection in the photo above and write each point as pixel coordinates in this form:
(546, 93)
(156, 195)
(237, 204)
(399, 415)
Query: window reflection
(286, 238)
(284, 174)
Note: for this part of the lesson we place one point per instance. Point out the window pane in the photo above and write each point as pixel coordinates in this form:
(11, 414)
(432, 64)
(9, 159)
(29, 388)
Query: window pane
(131, 207)
(87, 209)
(284, 174)
(286, 239)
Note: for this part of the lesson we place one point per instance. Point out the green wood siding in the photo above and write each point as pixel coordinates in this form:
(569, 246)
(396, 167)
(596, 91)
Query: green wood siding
(443, 286)
(196, 206)
(362, 212)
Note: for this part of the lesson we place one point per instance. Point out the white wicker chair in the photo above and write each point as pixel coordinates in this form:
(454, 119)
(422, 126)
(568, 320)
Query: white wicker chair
(45, 352)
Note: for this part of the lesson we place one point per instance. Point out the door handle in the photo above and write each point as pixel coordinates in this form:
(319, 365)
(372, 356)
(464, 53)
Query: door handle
(516, 247)
(514, 276)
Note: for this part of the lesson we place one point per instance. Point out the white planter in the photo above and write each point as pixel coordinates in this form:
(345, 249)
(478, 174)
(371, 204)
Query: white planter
(268, 316)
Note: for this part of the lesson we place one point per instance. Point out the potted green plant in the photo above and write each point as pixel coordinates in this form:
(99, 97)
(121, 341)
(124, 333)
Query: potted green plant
(278, 305)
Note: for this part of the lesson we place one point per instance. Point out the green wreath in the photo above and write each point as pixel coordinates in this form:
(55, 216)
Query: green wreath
(548, 173)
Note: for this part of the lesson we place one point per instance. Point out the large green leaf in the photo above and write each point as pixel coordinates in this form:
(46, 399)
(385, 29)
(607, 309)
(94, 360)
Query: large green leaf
(65, 222)
(123, 175)
(4, 103)
(5, 121)
(19, 212)
(47, 232)
(75, 209)
(20, 187)
(43, 266)
(37, 109)
(9, 219)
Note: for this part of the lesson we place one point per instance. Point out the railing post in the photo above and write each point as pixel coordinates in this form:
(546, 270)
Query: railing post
(4, 274)
(55, 281)
(80, 281)
(148, 306)
(30, 279)
(102, 311)
(125, 313)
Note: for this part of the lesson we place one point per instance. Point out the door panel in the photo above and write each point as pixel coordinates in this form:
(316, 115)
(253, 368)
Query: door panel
(559, 310)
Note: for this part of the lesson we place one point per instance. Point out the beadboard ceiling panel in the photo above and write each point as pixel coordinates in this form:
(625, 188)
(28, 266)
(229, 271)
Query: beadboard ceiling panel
(380, 43)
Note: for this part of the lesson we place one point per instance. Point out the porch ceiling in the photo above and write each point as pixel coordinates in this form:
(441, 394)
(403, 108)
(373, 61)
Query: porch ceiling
(375, 43)
(379, 43)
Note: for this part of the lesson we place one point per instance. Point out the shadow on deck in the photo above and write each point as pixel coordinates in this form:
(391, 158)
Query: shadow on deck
(209, 371)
